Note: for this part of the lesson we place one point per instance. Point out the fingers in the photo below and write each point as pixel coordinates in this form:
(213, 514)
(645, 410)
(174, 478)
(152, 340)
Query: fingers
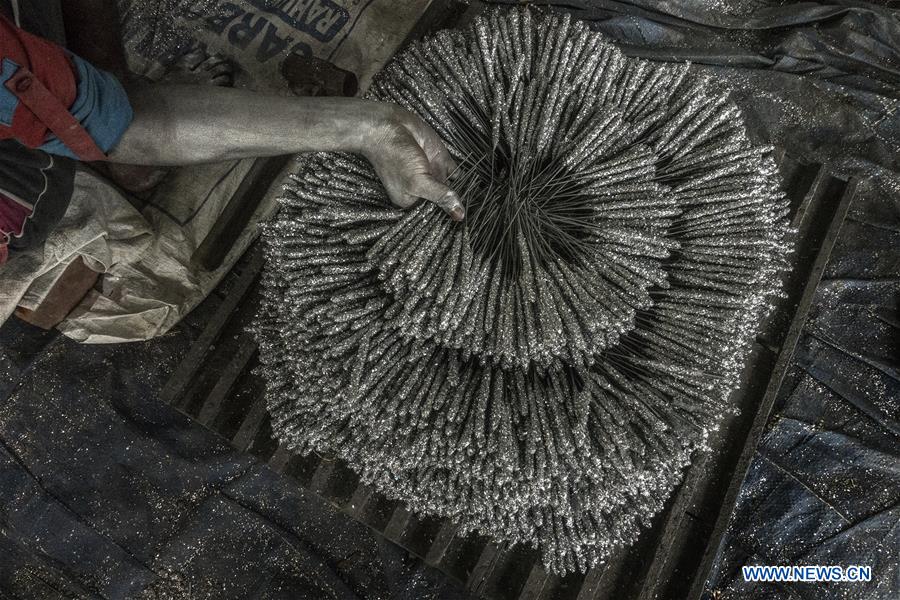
(192, 58)
(442, 165)
(218, 68)
(439, 160)
(418, 167)
(455, 172)
(400, 199)
(431, 189)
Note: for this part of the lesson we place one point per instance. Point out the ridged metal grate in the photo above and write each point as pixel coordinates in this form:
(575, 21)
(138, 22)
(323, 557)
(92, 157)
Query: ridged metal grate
(215, 386)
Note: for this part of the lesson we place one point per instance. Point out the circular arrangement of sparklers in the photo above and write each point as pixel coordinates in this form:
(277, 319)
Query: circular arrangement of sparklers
(543, 371)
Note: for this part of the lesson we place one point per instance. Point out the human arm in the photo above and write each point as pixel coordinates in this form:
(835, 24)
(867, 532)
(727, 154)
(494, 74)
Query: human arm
(185, 124)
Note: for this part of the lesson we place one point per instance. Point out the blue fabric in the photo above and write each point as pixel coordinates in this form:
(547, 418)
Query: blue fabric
(101, 107)
(8, 101)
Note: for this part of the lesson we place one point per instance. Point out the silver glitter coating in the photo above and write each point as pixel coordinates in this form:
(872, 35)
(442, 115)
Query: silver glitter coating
(542, 372)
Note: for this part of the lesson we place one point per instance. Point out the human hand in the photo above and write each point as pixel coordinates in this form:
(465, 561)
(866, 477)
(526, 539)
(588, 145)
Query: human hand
(412, 162)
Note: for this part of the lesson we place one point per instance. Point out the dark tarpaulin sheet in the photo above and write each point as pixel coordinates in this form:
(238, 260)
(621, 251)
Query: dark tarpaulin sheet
(822, 80)
(105, 492)
(824, 484)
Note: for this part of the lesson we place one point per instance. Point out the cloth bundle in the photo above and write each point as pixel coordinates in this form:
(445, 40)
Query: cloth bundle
(543, 371)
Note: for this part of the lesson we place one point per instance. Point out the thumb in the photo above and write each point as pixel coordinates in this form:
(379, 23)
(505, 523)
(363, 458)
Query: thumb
(432, 190)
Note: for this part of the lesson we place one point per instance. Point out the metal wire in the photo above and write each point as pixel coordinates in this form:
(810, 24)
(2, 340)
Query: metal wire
(542, 372)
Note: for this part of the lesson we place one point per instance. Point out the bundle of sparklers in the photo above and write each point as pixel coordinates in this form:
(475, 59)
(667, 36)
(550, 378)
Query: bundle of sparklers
(543, 371)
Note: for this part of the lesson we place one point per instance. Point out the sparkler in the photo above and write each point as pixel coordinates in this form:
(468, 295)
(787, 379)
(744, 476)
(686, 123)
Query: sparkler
(542, 372)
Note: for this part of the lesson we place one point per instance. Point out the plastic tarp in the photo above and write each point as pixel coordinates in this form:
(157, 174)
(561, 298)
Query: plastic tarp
(822, 80)
(104, 492)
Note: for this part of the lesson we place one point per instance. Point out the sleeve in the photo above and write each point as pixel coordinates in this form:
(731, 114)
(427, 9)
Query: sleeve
(101, 106)
(44, 62)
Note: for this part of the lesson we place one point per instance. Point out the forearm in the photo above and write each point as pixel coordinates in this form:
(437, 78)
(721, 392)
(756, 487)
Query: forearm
(176, 125)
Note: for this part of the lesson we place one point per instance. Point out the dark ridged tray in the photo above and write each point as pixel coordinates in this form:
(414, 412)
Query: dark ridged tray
(215, 386)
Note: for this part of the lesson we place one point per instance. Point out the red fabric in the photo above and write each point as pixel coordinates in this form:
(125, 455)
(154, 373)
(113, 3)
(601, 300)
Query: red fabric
(50, 65)
(12, 220)
(47, 107)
